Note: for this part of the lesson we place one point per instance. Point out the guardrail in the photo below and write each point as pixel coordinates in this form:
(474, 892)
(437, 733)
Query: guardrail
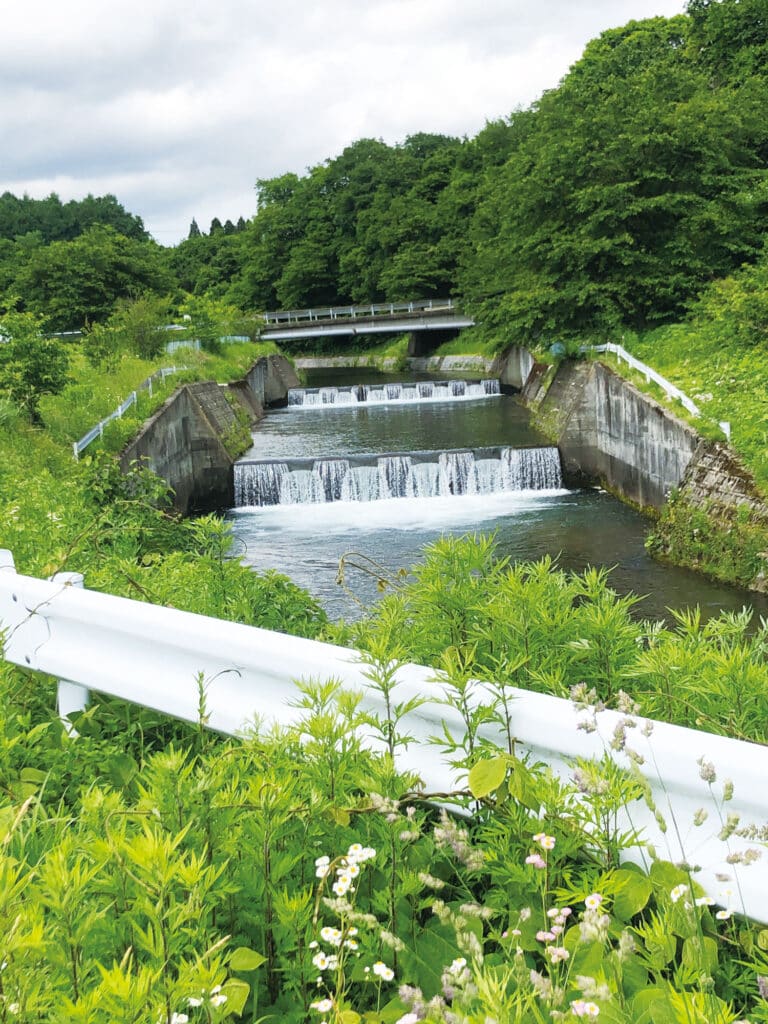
(160, 658)
(98, 430)
(650, 374)
(353, 312)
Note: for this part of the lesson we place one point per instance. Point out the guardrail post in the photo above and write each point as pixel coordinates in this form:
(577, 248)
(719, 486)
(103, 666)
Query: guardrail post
(75, 450)
(71, 697)
(726, 429)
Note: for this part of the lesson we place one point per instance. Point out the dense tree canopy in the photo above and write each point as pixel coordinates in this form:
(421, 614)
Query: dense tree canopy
(59, 222)
(615, 200)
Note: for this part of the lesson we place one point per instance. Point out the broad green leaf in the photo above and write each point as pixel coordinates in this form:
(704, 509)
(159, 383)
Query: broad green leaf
(236, 992)
(634, 891)
(244, 959)
(486, 776)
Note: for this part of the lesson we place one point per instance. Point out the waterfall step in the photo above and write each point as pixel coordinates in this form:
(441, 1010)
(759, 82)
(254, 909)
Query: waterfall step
(384, 394)
(423, 474)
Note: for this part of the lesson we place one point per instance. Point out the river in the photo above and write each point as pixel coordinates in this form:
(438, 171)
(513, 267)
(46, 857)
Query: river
(306, 540)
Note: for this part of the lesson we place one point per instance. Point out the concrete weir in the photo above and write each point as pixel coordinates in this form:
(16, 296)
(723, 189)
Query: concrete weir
(185, 442)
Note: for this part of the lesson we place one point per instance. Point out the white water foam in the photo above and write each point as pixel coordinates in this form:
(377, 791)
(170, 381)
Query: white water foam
(442, 513)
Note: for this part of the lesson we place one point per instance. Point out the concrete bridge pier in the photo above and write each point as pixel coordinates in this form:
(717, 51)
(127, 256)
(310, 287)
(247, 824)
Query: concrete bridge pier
(422, 343)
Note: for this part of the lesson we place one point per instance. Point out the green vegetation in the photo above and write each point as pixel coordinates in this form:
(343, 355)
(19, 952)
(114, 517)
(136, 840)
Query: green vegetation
(151, 871)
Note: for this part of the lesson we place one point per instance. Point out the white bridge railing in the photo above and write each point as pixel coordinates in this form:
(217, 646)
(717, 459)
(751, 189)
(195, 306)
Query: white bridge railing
(371, 309)
(160, 658)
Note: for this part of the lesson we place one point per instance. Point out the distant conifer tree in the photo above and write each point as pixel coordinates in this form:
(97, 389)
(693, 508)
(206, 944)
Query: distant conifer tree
(194, 230)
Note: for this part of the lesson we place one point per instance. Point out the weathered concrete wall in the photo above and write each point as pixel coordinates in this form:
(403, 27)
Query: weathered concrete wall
(270, 379)
(185, 442)
(607, 430)
(250, 403)
(717, 477)
(513, 367)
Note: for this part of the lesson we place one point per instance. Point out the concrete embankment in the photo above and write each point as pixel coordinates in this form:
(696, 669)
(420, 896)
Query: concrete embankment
(611, 433)
(192, 441)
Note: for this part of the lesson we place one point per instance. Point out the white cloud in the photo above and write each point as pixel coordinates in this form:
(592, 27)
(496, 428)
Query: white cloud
(177, 109)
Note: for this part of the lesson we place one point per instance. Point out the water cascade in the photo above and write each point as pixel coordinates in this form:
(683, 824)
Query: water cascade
(397, 475)
(383, 394)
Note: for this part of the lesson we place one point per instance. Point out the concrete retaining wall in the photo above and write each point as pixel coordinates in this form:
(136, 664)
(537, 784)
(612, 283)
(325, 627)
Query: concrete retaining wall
(607, 430)
(715, 475)
(185, 442)
(270, 379)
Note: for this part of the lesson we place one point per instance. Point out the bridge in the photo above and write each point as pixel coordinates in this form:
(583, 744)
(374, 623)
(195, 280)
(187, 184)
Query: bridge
(439, 316)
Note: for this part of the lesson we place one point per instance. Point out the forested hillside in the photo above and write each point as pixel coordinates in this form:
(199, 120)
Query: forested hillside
(611, 202)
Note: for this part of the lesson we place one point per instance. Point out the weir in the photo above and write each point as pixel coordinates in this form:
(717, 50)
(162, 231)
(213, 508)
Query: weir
(382, 394)
(421, 474)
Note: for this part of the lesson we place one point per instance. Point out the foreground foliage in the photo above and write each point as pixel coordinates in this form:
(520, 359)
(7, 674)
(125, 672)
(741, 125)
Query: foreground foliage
(152, 872)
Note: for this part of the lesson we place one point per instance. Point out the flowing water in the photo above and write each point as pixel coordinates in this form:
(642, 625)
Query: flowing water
(383, 478)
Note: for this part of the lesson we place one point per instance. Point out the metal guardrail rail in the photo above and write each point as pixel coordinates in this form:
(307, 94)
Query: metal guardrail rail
(649, 373)
(159, 657)
(669, 389)
(374, 309)
(98, 430)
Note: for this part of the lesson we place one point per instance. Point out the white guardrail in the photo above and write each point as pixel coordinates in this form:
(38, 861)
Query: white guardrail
(156, 657)
(98, 430)
(291, 316)
(650, 374)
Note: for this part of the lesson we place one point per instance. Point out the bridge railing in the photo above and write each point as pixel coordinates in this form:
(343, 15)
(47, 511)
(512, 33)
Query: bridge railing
(98, 430)
(176, 662)
(299, 316)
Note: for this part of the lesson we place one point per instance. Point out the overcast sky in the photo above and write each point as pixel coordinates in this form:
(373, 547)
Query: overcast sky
(178, 106)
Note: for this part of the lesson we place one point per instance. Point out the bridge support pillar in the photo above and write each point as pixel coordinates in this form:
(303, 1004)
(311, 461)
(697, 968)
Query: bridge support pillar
(423, 343)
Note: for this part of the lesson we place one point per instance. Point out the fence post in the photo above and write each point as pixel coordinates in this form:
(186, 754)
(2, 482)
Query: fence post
(726, 429)
(70, 696)
(75, 450)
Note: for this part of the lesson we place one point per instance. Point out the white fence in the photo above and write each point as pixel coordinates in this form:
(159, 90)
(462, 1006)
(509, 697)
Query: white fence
(292, 316)
(650, 375)
(98, 430)
(670, 390)
(157, 656)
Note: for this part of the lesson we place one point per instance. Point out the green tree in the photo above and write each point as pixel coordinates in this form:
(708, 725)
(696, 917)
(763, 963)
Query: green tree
(139, 323)
(630, 186)
(31, 365)
(74, 283)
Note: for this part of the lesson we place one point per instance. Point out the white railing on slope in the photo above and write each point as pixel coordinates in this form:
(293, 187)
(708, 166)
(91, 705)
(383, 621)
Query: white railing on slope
(98, 430)
(157, 657)
(650, 374)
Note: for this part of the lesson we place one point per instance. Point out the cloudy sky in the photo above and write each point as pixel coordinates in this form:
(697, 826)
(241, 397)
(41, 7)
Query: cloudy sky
(178, 106)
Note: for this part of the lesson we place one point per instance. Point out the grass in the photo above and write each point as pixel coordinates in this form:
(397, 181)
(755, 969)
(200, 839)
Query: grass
(95, 393)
